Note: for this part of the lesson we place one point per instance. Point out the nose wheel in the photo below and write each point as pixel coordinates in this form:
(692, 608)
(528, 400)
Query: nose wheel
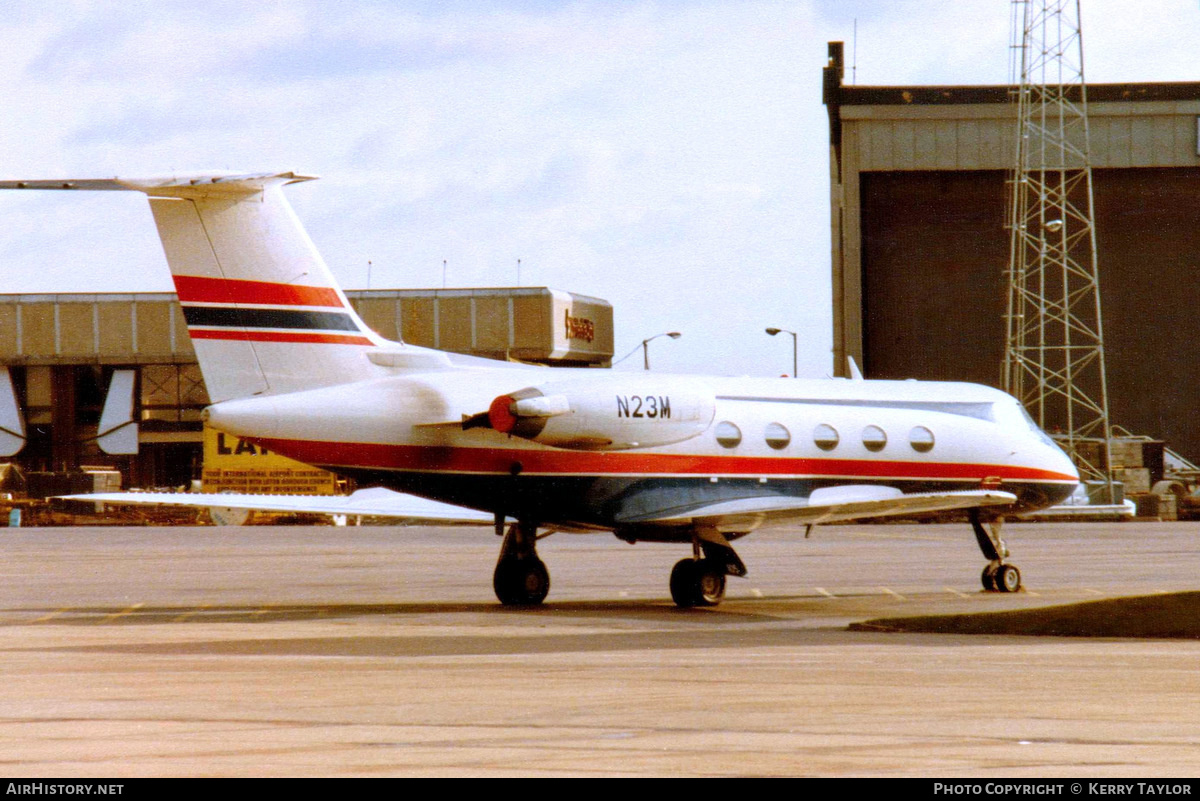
(998, 576)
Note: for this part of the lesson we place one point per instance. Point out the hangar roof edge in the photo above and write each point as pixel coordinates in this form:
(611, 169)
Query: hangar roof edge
(960, 95)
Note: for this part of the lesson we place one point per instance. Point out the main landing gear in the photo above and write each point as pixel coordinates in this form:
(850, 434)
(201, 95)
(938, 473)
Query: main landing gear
(700, 581)
(697, 582)
(997, 575)
(521, 578)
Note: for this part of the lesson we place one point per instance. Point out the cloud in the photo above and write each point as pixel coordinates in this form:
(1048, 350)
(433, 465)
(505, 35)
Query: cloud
(671, 157)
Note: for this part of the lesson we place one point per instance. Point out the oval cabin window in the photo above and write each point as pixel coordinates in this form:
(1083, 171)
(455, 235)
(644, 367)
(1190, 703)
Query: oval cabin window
(777, 436)
(874, 439)
(728, 435)
(921, 439)
(825, 436)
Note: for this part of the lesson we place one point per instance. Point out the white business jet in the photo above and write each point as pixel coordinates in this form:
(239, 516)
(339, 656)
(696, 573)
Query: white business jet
(696, 460)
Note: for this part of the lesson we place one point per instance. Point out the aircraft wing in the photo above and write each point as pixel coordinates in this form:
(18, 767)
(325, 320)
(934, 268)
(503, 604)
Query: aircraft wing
(828, 505)
(373, 502)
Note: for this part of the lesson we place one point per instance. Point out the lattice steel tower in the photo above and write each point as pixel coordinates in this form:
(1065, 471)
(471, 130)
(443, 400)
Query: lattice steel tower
(1054, 355)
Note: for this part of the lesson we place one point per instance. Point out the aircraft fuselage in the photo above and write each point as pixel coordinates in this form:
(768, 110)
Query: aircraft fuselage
(724, 439)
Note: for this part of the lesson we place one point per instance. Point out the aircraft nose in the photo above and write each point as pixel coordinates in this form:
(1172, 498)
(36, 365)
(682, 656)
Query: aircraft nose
(1053, 477)
(1057, 461)
(1047, 456)
(1062, 461)
(1043, 454)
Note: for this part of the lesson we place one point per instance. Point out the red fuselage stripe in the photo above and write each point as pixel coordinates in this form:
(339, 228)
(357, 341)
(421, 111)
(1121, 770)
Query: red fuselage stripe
(194, 289)
(447, 459)
(277, 336)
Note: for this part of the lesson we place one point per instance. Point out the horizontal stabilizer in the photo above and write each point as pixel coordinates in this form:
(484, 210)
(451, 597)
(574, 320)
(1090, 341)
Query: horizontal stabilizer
(191, 185)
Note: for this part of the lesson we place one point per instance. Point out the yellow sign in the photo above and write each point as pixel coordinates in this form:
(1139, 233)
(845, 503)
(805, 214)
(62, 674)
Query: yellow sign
(232, 464)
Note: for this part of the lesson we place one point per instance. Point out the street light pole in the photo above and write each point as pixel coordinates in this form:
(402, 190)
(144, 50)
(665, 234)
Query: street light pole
(795, 346)
(646, 350)
(646, 346)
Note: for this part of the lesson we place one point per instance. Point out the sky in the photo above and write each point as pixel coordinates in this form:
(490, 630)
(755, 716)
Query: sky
(669, 157)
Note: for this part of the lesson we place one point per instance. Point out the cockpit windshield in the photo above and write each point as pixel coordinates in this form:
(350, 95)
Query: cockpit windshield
(1012, 408)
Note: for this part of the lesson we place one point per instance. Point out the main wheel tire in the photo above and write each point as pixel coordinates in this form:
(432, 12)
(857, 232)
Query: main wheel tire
(683, 583)
(1008, 578)
(710, 583)
(521, 582)
(697, 583)
(988, 578)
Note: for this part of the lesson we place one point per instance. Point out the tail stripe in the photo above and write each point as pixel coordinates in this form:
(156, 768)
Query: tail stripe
(279, 336)
(234, 317)
(198, 289)
(264, 311)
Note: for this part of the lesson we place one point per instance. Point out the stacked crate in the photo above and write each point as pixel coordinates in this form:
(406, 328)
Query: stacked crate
(1138, 463)
(1129, 465)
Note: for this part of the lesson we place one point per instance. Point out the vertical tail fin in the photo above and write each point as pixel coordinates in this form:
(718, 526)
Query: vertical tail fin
(263, 310)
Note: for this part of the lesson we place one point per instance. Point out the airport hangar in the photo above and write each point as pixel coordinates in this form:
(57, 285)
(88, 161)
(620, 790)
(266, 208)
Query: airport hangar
(63, 351)
(921, 248)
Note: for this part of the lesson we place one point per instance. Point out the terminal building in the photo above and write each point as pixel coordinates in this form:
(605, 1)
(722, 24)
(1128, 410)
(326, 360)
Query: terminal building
(920, 246)
(67, 356)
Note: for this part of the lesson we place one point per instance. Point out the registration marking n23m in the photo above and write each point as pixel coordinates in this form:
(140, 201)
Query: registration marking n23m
(655, 407)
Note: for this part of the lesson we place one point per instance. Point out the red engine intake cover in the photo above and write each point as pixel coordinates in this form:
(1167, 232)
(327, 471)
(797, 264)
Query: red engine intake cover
(499, 416)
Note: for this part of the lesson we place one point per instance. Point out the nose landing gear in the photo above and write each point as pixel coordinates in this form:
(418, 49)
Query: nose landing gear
(997, 576)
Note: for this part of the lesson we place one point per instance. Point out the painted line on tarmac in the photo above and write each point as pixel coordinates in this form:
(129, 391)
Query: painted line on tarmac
(51, 616)
(122, 613)
(191, 612)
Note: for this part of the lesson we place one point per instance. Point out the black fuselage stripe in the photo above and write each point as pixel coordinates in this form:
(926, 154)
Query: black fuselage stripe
(232, 317)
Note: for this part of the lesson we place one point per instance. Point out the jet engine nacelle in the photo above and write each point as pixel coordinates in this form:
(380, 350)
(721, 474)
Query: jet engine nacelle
(606, 413)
